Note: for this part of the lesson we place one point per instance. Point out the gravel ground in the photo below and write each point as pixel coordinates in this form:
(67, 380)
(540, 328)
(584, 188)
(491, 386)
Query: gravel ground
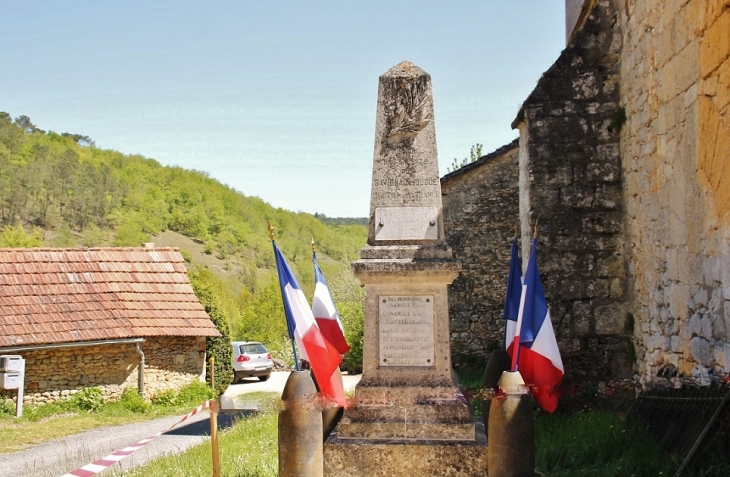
(56, 458)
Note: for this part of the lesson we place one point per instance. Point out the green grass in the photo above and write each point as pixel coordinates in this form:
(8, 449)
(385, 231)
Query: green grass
(53, 421)
(248, 449)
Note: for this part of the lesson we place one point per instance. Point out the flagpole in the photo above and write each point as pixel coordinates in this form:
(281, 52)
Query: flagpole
(505, 345)
(516, 355)
(293, 345)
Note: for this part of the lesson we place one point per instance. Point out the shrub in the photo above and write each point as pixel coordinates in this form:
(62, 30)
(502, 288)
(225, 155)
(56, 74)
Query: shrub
(7, 406)
(89, 399)
(133, 401)
(165, 398)
(195, 393)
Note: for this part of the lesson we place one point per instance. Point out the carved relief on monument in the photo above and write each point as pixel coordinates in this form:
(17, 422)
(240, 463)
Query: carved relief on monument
(410, 112)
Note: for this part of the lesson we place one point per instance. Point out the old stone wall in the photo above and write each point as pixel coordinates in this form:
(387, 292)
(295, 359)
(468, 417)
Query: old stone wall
(481, 216)
(675, 87)
(570, 179)
(171, 362)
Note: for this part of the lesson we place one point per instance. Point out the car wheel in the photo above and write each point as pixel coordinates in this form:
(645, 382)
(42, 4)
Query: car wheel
(236, 379)
(264, 378)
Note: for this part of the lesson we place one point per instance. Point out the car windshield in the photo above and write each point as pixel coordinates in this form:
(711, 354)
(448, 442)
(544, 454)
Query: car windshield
(257, 348)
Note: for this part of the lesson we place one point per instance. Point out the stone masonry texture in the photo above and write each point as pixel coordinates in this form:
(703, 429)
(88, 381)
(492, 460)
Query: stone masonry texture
(675, 147)
(481, 216)
(570, 184)
(54, 374)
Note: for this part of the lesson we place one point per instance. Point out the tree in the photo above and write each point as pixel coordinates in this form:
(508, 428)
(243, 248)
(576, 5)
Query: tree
(208, 291)
(27, 125)
(474, 154)
(16, 237)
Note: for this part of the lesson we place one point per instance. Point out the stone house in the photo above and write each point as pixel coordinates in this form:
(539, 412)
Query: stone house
(623, 156)
(101, 317)
(481, 217)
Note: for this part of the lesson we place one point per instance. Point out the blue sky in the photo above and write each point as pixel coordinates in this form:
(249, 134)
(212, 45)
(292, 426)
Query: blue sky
(273, 98)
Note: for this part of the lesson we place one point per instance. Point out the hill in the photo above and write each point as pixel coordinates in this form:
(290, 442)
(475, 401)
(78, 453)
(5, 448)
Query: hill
(72, 193)
(61, 190)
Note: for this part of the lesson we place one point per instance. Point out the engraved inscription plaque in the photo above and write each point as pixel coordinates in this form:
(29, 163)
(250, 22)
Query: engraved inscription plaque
(406, 223)
(406, 330)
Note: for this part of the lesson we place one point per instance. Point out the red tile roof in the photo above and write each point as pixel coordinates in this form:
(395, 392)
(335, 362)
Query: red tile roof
(67, 295)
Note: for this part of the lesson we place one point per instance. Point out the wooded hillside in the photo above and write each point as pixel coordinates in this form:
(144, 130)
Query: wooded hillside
(60, 190)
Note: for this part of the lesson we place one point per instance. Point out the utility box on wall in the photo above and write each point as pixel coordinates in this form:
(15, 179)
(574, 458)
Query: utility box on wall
(12, 376)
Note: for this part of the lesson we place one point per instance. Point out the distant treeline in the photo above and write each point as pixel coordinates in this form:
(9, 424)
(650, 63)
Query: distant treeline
(342, 220)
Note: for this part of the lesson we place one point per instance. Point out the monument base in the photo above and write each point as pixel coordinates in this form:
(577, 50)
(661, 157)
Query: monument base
(404, 457)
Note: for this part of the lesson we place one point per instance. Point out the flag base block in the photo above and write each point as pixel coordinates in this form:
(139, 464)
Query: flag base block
(357, 457)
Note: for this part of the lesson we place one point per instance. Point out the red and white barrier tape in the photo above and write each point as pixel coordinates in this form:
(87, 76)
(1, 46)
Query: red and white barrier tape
(101, 464)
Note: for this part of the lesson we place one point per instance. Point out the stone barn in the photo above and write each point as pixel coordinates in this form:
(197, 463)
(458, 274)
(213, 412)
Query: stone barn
(481, 217)
(101, 317)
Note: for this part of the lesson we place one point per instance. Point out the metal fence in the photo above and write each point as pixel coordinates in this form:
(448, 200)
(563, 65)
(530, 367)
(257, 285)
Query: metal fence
(691, 421)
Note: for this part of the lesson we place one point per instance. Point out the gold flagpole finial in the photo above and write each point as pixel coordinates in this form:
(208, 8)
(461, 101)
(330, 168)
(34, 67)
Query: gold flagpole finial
(271, 231)
(534, 232)
(517, 231)
(314, 249)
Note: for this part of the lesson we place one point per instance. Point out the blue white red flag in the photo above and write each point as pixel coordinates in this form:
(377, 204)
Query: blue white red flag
(321, 355)
(325, 312)
(537, 357)
(512, 300)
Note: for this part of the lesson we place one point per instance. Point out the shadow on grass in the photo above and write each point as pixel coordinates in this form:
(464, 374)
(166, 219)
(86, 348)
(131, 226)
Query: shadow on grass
(226, 420)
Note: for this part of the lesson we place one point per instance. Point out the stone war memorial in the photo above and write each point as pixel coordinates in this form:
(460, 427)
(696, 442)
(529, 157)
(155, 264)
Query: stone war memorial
(409, 417)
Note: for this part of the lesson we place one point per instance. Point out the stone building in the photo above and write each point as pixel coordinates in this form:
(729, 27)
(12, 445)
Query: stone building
(623, 156)
(88, 317)
(481, 217)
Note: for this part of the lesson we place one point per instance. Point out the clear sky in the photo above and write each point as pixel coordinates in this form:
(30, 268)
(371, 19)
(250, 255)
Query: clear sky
(273, 98)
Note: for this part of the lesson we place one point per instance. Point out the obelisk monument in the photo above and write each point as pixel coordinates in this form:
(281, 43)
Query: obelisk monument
(407, 400)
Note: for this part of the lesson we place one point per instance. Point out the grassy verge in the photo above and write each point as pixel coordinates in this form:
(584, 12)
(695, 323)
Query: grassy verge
(87, 411)
(248, 449)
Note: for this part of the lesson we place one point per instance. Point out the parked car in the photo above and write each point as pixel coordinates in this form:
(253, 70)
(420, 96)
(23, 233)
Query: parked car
(251, 358)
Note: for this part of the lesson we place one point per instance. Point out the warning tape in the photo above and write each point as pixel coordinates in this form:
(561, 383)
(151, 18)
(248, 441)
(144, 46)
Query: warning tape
(101, 464)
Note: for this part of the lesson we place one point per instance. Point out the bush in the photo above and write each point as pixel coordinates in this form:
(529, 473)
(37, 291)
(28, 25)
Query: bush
(133, 401)
(89, 399)
(7, 406)
(165, 398)
(195, 393)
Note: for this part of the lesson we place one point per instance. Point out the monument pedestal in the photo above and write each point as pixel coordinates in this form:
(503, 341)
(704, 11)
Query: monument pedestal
(405, 457)
(409, 417)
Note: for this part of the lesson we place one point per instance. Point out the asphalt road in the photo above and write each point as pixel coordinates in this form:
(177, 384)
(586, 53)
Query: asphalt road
(56, 458)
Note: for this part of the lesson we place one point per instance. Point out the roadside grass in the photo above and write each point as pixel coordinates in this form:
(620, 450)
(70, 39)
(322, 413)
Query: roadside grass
(248, 449)
(86, 411)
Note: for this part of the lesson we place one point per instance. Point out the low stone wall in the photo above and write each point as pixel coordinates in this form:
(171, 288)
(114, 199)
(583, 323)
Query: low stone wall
(171, 362)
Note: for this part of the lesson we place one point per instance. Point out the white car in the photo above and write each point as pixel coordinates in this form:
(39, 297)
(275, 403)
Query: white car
(251, 359)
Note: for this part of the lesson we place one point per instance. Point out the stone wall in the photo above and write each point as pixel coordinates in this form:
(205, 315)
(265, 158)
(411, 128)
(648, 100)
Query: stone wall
(675, 82)
(53, 374)
(481, 216)
(570, 179)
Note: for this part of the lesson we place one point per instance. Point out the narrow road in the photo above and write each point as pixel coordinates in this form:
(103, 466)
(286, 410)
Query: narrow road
(58, 457)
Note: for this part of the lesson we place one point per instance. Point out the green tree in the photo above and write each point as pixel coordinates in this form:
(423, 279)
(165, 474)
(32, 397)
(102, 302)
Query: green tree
(474, 154)
(17, 236)
(211, 294)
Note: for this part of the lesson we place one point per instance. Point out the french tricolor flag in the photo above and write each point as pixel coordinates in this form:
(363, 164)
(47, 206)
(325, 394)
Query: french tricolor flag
(322, 356)
(537, 357)
(512, 300)
(325, 312)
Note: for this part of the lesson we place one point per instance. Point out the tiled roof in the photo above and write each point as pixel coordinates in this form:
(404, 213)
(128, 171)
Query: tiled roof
(68, 295)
